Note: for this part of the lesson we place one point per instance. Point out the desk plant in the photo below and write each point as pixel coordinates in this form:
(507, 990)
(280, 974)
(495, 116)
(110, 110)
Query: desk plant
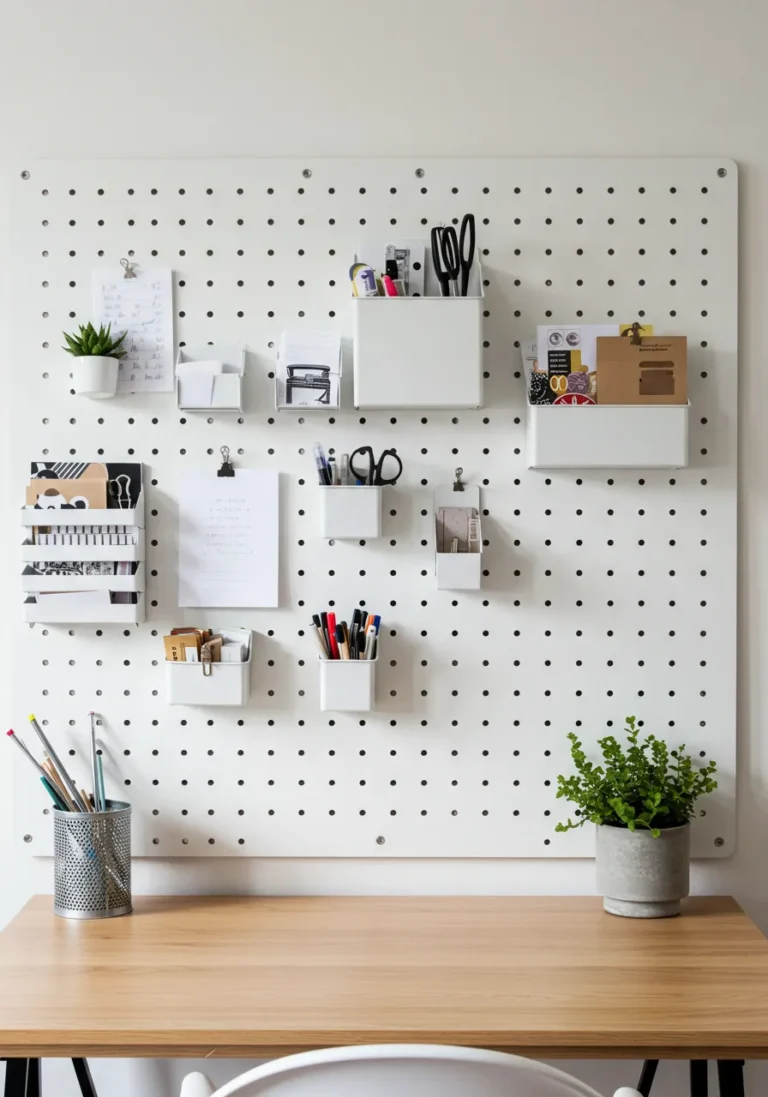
(642, 800)
(96, 355)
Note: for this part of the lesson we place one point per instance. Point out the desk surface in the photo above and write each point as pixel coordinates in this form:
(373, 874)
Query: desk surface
(228, 977)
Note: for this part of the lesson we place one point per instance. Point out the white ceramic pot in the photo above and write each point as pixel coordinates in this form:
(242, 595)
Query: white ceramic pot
(95, 376)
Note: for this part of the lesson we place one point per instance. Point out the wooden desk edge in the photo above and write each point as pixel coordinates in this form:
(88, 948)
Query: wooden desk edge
(214, 1048)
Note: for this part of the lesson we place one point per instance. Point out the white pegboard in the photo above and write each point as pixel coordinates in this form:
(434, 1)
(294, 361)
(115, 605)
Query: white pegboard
(603, 593)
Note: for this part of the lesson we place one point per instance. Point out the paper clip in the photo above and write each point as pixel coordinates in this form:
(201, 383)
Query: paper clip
(227, 468)
(127, 266)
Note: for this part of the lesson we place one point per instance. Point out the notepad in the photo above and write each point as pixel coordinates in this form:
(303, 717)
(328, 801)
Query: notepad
(228, 539)
(143, 308)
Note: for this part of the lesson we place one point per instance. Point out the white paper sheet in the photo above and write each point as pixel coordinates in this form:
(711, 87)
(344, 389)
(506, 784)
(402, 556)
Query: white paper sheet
(228, 539)
(143, 307)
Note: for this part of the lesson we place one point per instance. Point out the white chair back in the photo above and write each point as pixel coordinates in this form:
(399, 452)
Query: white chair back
(399, 1070)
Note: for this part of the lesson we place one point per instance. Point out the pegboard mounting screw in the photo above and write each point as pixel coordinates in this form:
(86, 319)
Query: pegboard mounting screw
(307, 173)
(722, 172)
(419, 173)
(27, 837)
(719, 841)
(25, 175)
(380, 840)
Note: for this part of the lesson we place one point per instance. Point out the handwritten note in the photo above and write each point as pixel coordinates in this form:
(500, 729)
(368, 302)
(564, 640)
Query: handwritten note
(142, 307)
(228, 539)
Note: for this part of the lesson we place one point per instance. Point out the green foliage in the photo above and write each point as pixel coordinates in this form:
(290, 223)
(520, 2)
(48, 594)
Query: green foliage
(89, 342)
(646, 785)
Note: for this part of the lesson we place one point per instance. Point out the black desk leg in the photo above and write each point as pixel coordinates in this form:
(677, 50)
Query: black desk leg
(730, 1077)
(22, 1078)
(698, 1078)
(83, 1072)
(647, 1074)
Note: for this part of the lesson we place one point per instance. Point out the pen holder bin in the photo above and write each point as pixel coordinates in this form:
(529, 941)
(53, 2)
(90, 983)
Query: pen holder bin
(350, 512)
(226, 684)
(92, 862)
(347, 685)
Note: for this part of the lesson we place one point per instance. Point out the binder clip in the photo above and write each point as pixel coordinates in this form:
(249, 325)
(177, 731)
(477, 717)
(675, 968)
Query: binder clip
(127, 266)
(457, 484)
(635, 334)
(227, 468)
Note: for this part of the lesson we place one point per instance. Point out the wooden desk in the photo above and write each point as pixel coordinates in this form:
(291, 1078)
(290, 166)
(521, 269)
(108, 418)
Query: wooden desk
(223, 976)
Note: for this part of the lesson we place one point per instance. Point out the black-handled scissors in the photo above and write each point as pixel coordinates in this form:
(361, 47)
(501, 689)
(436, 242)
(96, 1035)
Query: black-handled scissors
(445, 259)
(375, 472)
(452, 254)
(466, 254)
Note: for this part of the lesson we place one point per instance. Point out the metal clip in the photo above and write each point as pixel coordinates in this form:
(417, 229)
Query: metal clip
(457, 484)
(127, 266)
(120, 490)
(227, 468)
(635, 334)
(206, 661)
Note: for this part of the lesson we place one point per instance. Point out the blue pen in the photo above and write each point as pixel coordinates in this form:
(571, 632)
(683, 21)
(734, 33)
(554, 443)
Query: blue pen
(53, 794)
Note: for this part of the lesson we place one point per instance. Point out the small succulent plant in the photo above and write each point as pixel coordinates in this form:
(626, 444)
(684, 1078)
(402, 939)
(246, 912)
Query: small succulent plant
(88, 342)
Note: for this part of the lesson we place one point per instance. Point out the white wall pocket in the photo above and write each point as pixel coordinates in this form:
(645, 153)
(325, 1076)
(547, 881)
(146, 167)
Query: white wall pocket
(210, 377)
(96, 578)
(347, 685)
(420, 352)
(225, 683)
(350, 511)
(610, 436)
(458, 539)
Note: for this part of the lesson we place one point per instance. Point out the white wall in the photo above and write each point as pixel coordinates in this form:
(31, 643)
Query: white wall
(427, 77)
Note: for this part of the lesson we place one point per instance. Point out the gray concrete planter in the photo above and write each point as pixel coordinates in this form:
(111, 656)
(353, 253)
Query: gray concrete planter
(641, 876)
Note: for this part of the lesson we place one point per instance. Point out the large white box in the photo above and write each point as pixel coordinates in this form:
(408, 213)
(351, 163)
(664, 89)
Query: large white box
(420, 352)
(347, 685)
(611, 436)
(67, 609)
(353, 512)
(458, 570)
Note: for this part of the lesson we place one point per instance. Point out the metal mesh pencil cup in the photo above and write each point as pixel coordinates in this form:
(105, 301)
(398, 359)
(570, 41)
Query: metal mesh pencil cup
(92, 862)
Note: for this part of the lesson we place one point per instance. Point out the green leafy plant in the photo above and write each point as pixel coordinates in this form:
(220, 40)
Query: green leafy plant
(646, 786)
(88, 342)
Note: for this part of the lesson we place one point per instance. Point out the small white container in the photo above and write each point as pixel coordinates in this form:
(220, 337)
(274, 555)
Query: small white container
(95, 376)
(608, 436)
(226, 387)
(347, 685)
(227, 683)
(420, 352)
(458, 570)
(350, 512)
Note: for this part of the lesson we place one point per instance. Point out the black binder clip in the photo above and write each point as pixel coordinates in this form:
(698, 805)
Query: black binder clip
(635, 334)
(227, 468)
(457, 484)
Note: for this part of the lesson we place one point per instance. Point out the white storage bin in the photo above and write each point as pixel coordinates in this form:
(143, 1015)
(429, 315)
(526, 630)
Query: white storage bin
(38, 553)
(227, 684)
(459, 570)
(610, 436)
(51, 609)
(34, 584)
(226, 388)
(350, 511)
(347, 685)
(420, 352)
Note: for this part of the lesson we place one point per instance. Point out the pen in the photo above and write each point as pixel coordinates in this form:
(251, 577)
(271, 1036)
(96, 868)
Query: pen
(344, 471)
(320, 643)
(101, 801)
(66, 779)
(25, 750)
(360, 644)
(342, 643)
(53, 794)
(333, 634)
(94, 770)
(326, 635)
(353, 640)
(333, 471)
(319, 630)
(321, 464)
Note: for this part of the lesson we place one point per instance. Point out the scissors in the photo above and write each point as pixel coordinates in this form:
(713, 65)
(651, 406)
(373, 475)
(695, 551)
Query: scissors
(375, 471)
(452, 254)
